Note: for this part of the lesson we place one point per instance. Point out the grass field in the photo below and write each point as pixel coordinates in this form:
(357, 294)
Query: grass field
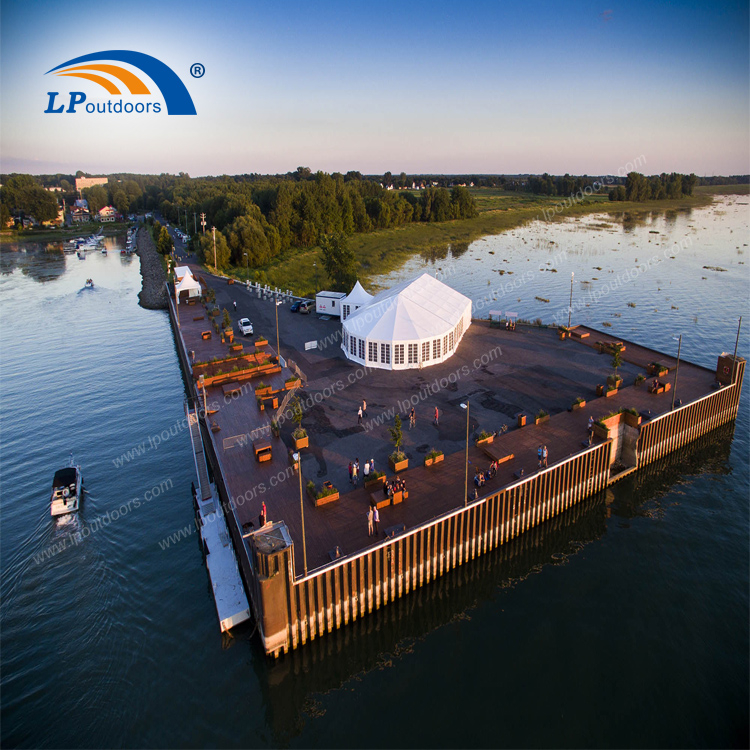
(386, 250)
(743, 189)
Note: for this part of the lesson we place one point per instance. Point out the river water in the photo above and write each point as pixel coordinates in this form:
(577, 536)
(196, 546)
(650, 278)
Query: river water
(623, 624)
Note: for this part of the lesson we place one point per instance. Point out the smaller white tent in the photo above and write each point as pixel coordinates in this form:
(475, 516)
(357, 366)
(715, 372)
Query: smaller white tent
(188, 284)
(357, 298)
(181, 271)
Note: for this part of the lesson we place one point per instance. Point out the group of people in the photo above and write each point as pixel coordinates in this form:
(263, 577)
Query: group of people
(480, 477)
(367, 469)
(510, 324)
(541, 453)
(395, 485)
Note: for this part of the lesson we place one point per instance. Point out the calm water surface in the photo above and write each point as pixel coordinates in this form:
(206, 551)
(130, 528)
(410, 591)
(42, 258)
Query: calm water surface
(624, 624)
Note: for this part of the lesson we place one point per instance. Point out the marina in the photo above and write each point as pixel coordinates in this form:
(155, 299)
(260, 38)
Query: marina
(306, 578)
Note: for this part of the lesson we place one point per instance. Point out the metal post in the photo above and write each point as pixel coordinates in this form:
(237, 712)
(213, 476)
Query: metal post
(203, 222)
(278, 353)
(466, 474)
(737, 341)
(302, 511)
(195, 222)
(676, 371)
(570, 306)
(247, 265)
(216, 268)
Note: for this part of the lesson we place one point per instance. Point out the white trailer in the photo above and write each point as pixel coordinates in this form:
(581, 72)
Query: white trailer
(329, 303)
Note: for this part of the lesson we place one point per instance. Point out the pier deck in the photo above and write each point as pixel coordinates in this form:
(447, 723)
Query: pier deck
(531, 370)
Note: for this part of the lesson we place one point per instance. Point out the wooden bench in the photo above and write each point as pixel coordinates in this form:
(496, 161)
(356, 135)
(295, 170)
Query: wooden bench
(579, 334)
(379, 500)
(205, 335)
(200, 317)
(496, 453)
(262, 450)
(215, 427)
(400, 496)
(659, 388)
(231, 388)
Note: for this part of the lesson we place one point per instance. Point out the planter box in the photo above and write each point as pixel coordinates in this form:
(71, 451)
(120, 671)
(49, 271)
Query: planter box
(318, 501)
(611, 380)
(230, 281)
(289, 385)
(601, 432)
(632, 420)
(260, 343)
(302, 442)
(436, 460)
(578, 406)
(613, 392)
(398, 465)
(563, 335)
(658, 372)
(263, 391)
(485, 441)
(539, 420)
(379, 482)
(235, 348)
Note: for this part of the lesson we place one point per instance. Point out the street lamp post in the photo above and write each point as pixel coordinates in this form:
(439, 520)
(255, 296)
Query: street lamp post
(247, 265)
(677, 369)
(570, 305)
(302, 509)
(466, 473)
(216, 268)
(276, 306)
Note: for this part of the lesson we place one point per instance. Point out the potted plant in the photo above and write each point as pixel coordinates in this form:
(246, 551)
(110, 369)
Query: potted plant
(640, 379)
(484, 437)
(433, 457)
(578, 404)
(632, 417)
(235, 347)
(610, 391)
(262, 389)
(657, 369)
(327, 494)
(375, 479)
(563, 332)
(397, 460)
(541, 416)
(615, 380)
(300, 434)
(292, 382)
(260, 342)
(275, 428)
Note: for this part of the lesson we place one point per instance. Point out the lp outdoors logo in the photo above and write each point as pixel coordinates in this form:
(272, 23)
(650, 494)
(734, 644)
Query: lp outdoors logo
(176, 96)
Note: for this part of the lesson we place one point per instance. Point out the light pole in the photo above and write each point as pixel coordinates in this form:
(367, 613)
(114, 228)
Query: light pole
(466, 473)
(276, 306)
(737, 341)
(570, 306)
(301, 508)
(216, 268)
(203, 222)
(677, 369)
(195, 222)
(247, 265)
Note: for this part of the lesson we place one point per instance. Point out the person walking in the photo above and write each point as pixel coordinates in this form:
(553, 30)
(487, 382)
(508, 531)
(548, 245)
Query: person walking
(364, 408)
(359, 416)
(412, 418)
(591, 429)
(235, 305)
(539, 455)
(370, 525)
(376, 519)
(372, 466)
(351, 469)
(367, 470)
(354, 474)
(437, 415)
(544, 457)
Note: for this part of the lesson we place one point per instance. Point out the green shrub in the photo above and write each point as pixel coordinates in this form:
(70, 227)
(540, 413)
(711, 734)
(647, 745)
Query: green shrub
(434, 453)
(484, 434)
(541, 413)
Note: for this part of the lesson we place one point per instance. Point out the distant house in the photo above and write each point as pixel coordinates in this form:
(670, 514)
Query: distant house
(82, 203)
(79, 215)
(108, 213)
(86, 182)
(54, 189)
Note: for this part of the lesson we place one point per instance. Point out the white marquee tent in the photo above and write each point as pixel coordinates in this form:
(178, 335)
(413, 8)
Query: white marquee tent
(414, 324)
(186, 283)
(357, 298)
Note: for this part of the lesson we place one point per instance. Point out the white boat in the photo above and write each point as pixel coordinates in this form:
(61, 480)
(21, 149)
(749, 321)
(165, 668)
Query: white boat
(67, 490)
(82, 255)
(89, 283)
(104, 251)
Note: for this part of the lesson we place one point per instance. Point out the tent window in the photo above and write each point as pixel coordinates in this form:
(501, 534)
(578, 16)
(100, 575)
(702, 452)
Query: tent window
(445, 345)
(372, 351)
(425, 351)
(385, 354)
(398, 354)
(413, 349)
(362, 349)
(450, 341)
(436, 349)
(346, 312)
(353, 345)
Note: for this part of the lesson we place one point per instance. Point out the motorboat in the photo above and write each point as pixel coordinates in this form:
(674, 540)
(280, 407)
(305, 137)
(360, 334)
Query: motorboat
(104, 251)
(82, 255)
(89, 283)
(67, 490)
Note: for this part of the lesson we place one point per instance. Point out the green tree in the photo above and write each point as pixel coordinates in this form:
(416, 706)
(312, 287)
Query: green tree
(96, 197)
(397, 434)
(206, 250)
(121, 201)
(616, 358)
(164, 244)
(339, 261)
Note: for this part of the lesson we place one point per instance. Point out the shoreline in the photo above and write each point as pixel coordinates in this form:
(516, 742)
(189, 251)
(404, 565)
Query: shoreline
(153, 294)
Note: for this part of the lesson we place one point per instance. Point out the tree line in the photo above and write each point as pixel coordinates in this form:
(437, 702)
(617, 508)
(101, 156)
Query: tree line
(638, 187)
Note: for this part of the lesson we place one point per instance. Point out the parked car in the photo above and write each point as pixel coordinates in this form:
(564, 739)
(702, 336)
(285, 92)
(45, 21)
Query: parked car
(245, 326)
(305, 308)
(295, 306)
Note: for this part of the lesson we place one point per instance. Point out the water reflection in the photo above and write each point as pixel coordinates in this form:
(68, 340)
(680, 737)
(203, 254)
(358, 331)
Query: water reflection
(41, 262)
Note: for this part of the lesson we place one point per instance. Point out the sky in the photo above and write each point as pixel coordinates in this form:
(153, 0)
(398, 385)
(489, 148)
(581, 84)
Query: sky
(420, 87)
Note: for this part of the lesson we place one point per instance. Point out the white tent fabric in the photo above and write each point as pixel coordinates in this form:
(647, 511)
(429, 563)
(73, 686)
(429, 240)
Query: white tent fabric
(190, 285)
(357, 298)
(181, 271)
(414, 324)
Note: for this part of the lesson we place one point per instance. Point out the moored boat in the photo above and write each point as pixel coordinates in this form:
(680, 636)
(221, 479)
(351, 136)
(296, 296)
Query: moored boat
(67, 490)
(89, 283)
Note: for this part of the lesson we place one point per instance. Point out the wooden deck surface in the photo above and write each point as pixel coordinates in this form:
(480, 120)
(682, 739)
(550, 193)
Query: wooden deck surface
(432, 490)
